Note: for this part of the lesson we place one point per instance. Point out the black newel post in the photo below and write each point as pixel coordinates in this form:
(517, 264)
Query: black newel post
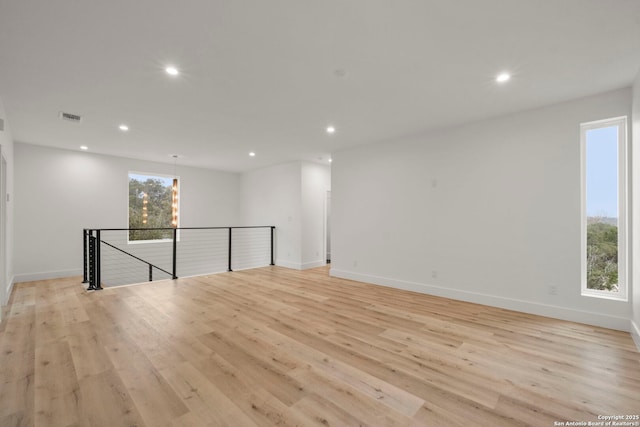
(98, 285)
(229, 250)
(91, 262)
(175, 239)
(272, 230)
(85, 279)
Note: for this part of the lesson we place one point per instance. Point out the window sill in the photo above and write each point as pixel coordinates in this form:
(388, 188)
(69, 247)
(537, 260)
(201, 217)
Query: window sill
(141, 242)
(605, 295)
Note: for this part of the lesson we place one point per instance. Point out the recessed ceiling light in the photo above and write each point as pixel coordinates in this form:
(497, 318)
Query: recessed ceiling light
(123, 128)
(252, 154)
(330, 160)
(503, 77)
(84, 147)
(331, 129)
(172, 71)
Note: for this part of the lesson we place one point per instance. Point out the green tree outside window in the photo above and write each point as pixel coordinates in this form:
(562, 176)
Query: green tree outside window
(154, 194)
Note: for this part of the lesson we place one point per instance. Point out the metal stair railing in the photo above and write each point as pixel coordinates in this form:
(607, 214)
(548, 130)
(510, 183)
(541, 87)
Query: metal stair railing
(94, 241)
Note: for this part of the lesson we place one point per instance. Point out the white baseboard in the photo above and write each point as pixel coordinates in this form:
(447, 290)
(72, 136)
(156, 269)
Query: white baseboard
(635, 333)
(288, 264)
(299, 266)
(30, 277)
(556, 312)
(9, 289)
(7, 297)
(313, 264)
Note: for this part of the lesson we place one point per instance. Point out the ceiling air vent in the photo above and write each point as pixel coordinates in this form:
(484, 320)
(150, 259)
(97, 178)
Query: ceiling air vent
(1, 125)
(76, 118)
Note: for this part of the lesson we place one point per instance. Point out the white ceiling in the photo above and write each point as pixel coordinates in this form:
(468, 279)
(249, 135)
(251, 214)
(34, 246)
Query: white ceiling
(264, 76)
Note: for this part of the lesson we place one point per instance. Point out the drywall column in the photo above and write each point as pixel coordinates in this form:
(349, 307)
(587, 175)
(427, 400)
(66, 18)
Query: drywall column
(290, 196)
(635, 213)
(316, 181)
(6, 148)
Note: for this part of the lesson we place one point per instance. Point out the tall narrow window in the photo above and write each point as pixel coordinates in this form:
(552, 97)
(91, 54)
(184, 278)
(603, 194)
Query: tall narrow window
(604, 208)
(153, 204)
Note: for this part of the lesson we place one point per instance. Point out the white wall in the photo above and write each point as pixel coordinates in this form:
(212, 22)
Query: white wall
(635, 211)
(60, 192)
(487, 212)
(291, 197)
(6, 148)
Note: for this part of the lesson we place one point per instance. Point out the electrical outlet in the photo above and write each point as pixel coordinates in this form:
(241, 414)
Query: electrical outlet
(434, 274)
(355, 263)
(553, 290)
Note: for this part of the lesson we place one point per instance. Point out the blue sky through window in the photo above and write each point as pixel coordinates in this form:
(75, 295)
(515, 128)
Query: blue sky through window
(602, 172)
(166, 181)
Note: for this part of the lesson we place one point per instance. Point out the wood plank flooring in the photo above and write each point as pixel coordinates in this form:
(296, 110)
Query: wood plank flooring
(274, 346)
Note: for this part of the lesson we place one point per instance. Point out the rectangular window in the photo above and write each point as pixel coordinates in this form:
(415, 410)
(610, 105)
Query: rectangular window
(151, 200)
(604, 208)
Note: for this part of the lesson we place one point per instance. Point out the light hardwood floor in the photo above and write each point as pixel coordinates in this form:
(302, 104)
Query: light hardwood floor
(274, 346)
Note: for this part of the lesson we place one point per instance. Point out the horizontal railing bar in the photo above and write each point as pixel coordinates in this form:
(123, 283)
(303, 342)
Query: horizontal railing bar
(180, 228)
(133, 256)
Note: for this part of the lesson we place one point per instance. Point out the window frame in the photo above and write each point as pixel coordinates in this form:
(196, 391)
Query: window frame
(623, 212)
(152, 175)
